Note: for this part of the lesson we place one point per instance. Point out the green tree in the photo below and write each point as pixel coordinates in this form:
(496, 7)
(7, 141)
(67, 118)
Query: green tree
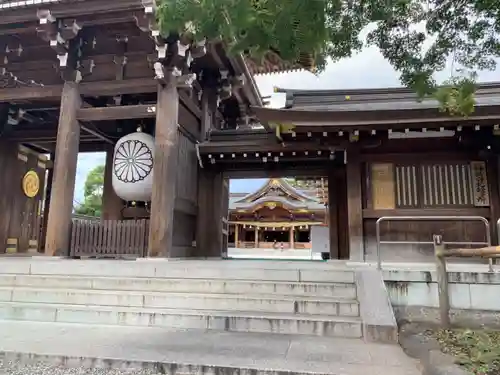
(92, 193)
(417, 37)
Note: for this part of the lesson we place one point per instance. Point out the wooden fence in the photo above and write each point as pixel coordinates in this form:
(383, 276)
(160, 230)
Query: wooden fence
(441, 254)
(109, 238)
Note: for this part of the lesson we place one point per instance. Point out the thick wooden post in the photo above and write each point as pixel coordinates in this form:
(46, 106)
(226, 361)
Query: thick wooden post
(165, 171)
(332, 215)
(46, 203)
(354, 206)
(292, 237)
(236, 235)
(204, 220)
(63, 182)
(208, 96)
(111, 203)
(493, 173)
(442, 280)
(218, 227)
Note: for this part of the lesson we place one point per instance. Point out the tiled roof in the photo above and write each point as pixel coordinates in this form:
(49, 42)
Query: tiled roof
(379, 99)
(237, 201)
(272, 63)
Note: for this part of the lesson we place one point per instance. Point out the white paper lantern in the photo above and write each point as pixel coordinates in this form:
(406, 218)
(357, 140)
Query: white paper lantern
(133, 167)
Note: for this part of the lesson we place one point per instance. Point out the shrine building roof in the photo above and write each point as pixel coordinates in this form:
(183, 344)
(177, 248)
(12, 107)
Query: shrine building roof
(278, 192)
(389, 98)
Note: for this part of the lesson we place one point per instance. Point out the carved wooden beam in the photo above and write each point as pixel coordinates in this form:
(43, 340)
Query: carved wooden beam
(120, 61)
(62, 36)
(173, 58)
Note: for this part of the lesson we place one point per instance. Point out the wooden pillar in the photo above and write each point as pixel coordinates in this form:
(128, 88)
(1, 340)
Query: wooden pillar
(111, 203)
(256, 240)
(212, 207)
(333, 226)
(493, 173)
(236, 234)
(217, 240)
(354, 206)
(165, 171)
(63, 183)
(46, 203)
(204, 219)
(207, 110)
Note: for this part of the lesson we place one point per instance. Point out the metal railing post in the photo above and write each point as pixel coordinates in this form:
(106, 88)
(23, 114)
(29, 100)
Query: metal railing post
(377, 236)
(498, 231)
(442, 281)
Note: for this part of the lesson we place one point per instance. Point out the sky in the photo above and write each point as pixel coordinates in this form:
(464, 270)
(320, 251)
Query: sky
(367, 69)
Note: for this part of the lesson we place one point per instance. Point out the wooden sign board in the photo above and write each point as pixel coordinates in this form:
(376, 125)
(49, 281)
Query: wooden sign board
(480, 190)
(383, 186)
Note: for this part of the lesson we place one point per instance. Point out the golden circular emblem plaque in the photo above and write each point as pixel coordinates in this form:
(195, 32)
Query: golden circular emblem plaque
(31, 184)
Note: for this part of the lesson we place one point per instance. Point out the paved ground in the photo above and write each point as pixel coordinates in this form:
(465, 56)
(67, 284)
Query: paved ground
(261, 351)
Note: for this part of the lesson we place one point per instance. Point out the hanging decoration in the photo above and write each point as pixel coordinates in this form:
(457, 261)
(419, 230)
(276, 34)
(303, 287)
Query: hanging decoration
(133, 167)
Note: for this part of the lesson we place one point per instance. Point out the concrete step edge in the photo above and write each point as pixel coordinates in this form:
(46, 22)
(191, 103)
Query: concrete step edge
(251, 296)
(298, 279)
(167, 367)
(338, 284)
(191, 312)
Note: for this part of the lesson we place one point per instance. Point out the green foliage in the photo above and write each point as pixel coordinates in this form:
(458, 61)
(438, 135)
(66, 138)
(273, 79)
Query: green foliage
(478, 351)
(92, 193)
(416, 37)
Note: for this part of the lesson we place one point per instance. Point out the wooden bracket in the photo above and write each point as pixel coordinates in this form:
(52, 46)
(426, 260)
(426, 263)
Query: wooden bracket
(58, 33)
(14, 49)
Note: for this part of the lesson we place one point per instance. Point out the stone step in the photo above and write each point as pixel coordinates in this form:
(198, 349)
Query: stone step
(337, 290)
(350, 327)
(218, 270)
(194, 301)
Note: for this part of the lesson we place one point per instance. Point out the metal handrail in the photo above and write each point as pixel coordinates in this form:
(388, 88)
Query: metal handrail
(431, 218)
(498, 231)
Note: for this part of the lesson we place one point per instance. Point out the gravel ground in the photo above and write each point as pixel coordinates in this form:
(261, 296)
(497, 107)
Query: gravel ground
(14, 368)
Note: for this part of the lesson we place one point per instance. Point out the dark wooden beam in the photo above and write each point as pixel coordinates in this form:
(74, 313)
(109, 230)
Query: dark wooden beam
(101, 88)
(62, 10)
(112, 88)
(45, 93)
(97, 134)
(117, 113)
(280, 173)
(263, 145)
(68, 138)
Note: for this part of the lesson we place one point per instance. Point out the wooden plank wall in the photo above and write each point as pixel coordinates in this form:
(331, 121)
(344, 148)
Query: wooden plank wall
(109, 238)
(425, 188)
(21, 218)
(186, 205)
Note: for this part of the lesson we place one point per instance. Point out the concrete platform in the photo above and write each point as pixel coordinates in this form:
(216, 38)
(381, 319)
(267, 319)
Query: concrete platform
(170, 351)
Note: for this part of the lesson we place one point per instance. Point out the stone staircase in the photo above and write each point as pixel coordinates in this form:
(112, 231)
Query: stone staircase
(244, 296)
